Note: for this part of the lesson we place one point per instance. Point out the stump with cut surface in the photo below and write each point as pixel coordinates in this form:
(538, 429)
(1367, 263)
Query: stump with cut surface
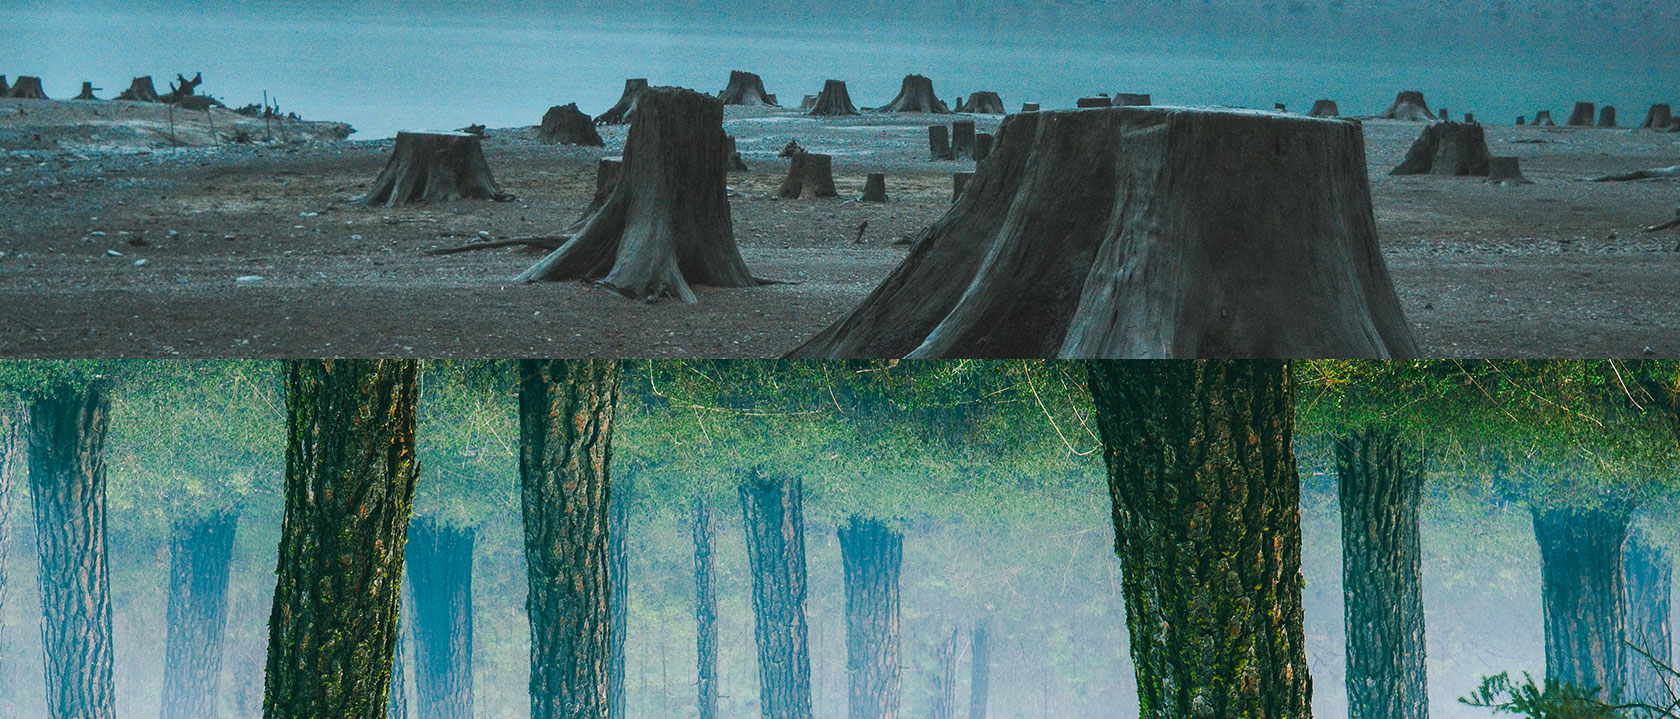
(567, 125)
(939, 143)
(621, 112)
(916, 95)
(1582, 115)
(1607, 116)
(1444, 115)
(983, 103)
(809, 102)
(140, 89)
(666, 225)
(1658, 117)
(982, 146)
(1409, 105)
(833, 101)
(809, 175)
(746, 88)
(874, 188)
(962, 138)
(1029, 107)
(432, 167)
(1470, 118)
(87, 91)
(1279, 107)
(1506, 171)
(27, 87)
(1130, 233)
(1097, 101)
(1447, 148)
(1324, 108)
(1133, 99)
(1543, 118)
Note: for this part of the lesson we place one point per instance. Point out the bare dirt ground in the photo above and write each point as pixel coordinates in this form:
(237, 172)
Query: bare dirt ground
(261, 251)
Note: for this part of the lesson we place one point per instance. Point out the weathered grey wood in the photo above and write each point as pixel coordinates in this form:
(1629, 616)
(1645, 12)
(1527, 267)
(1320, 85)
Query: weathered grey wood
(810, 175)
(1409, 105)
(621, 112)
(567, 125)
(874, 188)
(746, 88)
(916, 95)
(1447, 148)
(834, 100)
(1507, 171)
(433, 167)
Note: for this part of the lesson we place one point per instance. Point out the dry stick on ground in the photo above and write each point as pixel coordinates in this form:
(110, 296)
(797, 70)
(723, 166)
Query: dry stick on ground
(1655, 173)
(1671, 224)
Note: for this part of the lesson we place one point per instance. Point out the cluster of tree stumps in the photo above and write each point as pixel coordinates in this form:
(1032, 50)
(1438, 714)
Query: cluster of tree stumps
(957, 141)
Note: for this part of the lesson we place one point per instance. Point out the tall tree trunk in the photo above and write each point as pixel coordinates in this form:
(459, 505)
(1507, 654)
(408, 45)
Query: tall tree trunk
(945, 677)
(871, 554)
(396, 707)
(1581, 595)
(14, 462)
(440, 565)
(200, 558)
(350, 471)
(619, 556)
(1380, 485)
(67, 482)
(1650, 584)
(980, 668)
(566, 411)
(1207, 523)
(705, 611)
(773, 510)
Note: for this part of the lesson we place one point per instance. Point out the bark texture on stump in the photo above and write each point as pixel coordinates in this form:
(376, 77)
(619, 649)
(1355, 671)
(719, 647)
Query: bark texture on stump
(809, 175)
(1214, 606)
(982, 146)
(1324, 108)
(567, 125)
(666, 225)
(1029, 107)
(200, 557)
(916, 95)
(1447, 148)
(939, 143)
(350, 472)
(1409, 105)
(440, 563)
(962, 138)
(606, 180)
(705, 612)
(834, 100)
(1132, 99)
(1582, 115)
(433, 167)
(140, 89)
(1123, 233)
(1543, 118)
(1506, 171)
(1649, 572)
(979, 668)
(773, 510)
(4, 87)
(871, 554)
(983, 103)
(1607, 116)
(1582, 595)
(874, 188)
(1658, 117)
(745, 88)
(87, 92)
(28, 88)
(622, 112)
(959, 182)
(566, 417)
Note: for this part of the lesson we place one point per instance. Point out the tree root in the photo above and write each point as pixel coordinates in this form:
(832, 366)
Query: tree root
(549, 242)
(1653, 173)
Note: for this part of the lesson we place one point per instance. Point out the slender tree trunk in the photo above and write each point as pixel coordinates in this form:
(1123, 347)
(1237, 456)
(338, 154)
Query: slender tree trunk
(200, 558)
(1650, 585)
(566, 411)
(705, 611)
(980, 668)
(945, 677)
(350, 471)
(1201, 470)
(67, 482)
(1380, 487)
(773, 508)
(14, 462)
(1581, 595)
(440, 566)
(871, 554)
(619, 557)
(396, 707)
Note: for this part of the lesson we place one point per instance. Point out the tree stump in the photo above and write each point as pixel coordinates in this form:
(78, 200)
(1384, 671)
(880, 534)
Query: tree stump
(1543, 118)
(567, 125)
(916, 96)
(1658, 117)
(1098, 101)
(5, 89)
(939, 143)
(606, 180)
(1131, 233)
(431, 167)
(621, 112)
(140, 89)
(1582, 116)
(983, 103)
(28, 88)
(1029, 107)
(806, 104)
(732, 156)
(982, 146)
(1506, 171)
(1444, 115)
(1279, 107)
(1132, 99)
(1410, 106)
(87, 92)
(1470, 118)
(1324, 108)
(746, 88)
(1521, 121)
(962, 138)
(959, 182)
(1607, 116)
(790, 149)
(874, 188)
(1447, 148)
(833, 101)
(809, 175)
(666, 225)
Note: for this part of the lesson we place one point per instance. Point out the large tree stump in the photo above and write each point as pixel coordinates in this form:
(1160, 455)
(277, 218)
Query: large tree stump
(833, 101)
(434, 166)
(939, 143)
(621, 112)
(746, 88)
(874, 188)
(666, 225)
(983, 103)
(1447, 148)
(806, 104)
(1029, 107)
(606, 180)
(1132, 99)
(1507, 171)
(87, 91)
(1279, 107)
(1607, 116)
(1409, 105)
(1582, 116)
(1658, 117)
(962, 138)
(1324, 108)
(140, 89)
(567, 125)
(809, 175)
(959, 182)
(1543, 118)
(27, 87)
(1130, 232)
(916, 96)
(982, 146)
(1097, 101)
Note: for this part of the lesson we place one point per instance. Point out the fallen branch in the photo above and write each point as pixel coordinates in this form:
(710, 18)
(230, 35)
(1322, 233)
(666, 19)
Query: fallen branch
(543, 243)
(1653, 173)
(1666, 225)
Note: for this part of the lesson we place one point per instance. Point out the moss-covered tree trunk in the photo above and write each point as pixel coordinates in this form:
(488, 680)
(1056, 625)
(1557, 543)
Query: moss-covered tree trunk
(1581, 595)
(980, 668)
(774, 514)
(705, 611)
(1207, 525)
(1649, 571)
(350, 472)
(67, 484)
(618, 554)
(871, 554)
(566, 412)
(1380, 485)
(14, 461)
(440, 565)
(200, 558)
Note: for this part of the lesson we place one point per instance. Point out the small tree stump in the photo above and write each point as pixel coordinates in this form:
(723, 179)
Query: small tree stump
(606, 180)
(1658, 117)
(982, 146)
(1444, 115)
(1132, 99)
(27, 87)
(1097, 101)
(809, 175)
(1521, 121)
(959, 182)
(1543, 118)
(87, 92)
(567, 125)
(621, 112)
(806, 104)
(939, 143)
(1582, 116)
(1029, 107)
(1324, 108)
(746, 88)
(1607, 116)
(140, 89)
(962, 138)
(983, 103)
(833, 101)
(732, 156)
(916, 95)
(874, 188)
(432, 167)
(1447, 148)
(1506, 171)
(790, 149)
(1410, 106)
(1470, 118)
(1279, 107)
(4, 88)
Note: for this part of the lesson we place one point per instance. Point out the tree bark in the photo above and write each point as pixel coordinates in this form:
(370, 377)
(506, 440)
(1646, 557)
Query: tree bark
(833, 101)
(1132, 99)
(1582, 115)
(618, 556)
(705, 612)
(772, 508)
(87, 92)
(434, 167)
(1607, 116)
(745, 88)
(1447, 148)
(983, 103)
(396, 705)
(1582, 595)
(1324, 108)
(809, 175)
(200, 559)
(566, 417)
(27, 88)
(916, 95)
(874, 188)
(1659, 117)
(1207, 525)
(567, 125)
(980, 668)
(962, 138)
(871, 554)
(14, 465)
(440, 565)
(67, 484)
(624, 111)
(141, 89)
(1506, 171)
(350, 472)
(945, 677)
(1649, 571)
(1409, 105)
(1380, 485)
(939, 143)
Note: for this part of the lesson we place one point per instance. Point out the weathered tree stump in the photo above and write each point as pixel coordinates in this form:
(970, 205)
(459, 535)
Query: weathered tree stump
(983, 103)
(833, 101)
(1097, 101)
(962, 138)
(809, 102)
(1324, 108)
(1444, 116)
(1279, 107)
(1607, 116)
(87, 91)
(874, 188)
(27, 87)
(1506, 171)
(1658, 117)
(621, 112)
(959, 182)
(732, 156)
(1447, 148)
(140, 89)
(982, 146)
(4, 87)
(1521, 121)
(1132, 99)
(916, 96)
(1582, 116)
(1029, 107)
(1470, 118)
(1050, 253)
(666, 225)
(607, 172)
(809, 175)
(1543, 118)
(182, 89)
(567, 125)
(939, 143)
(790, 149)
(746, 88)
(432, 167)
(1409, 105)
